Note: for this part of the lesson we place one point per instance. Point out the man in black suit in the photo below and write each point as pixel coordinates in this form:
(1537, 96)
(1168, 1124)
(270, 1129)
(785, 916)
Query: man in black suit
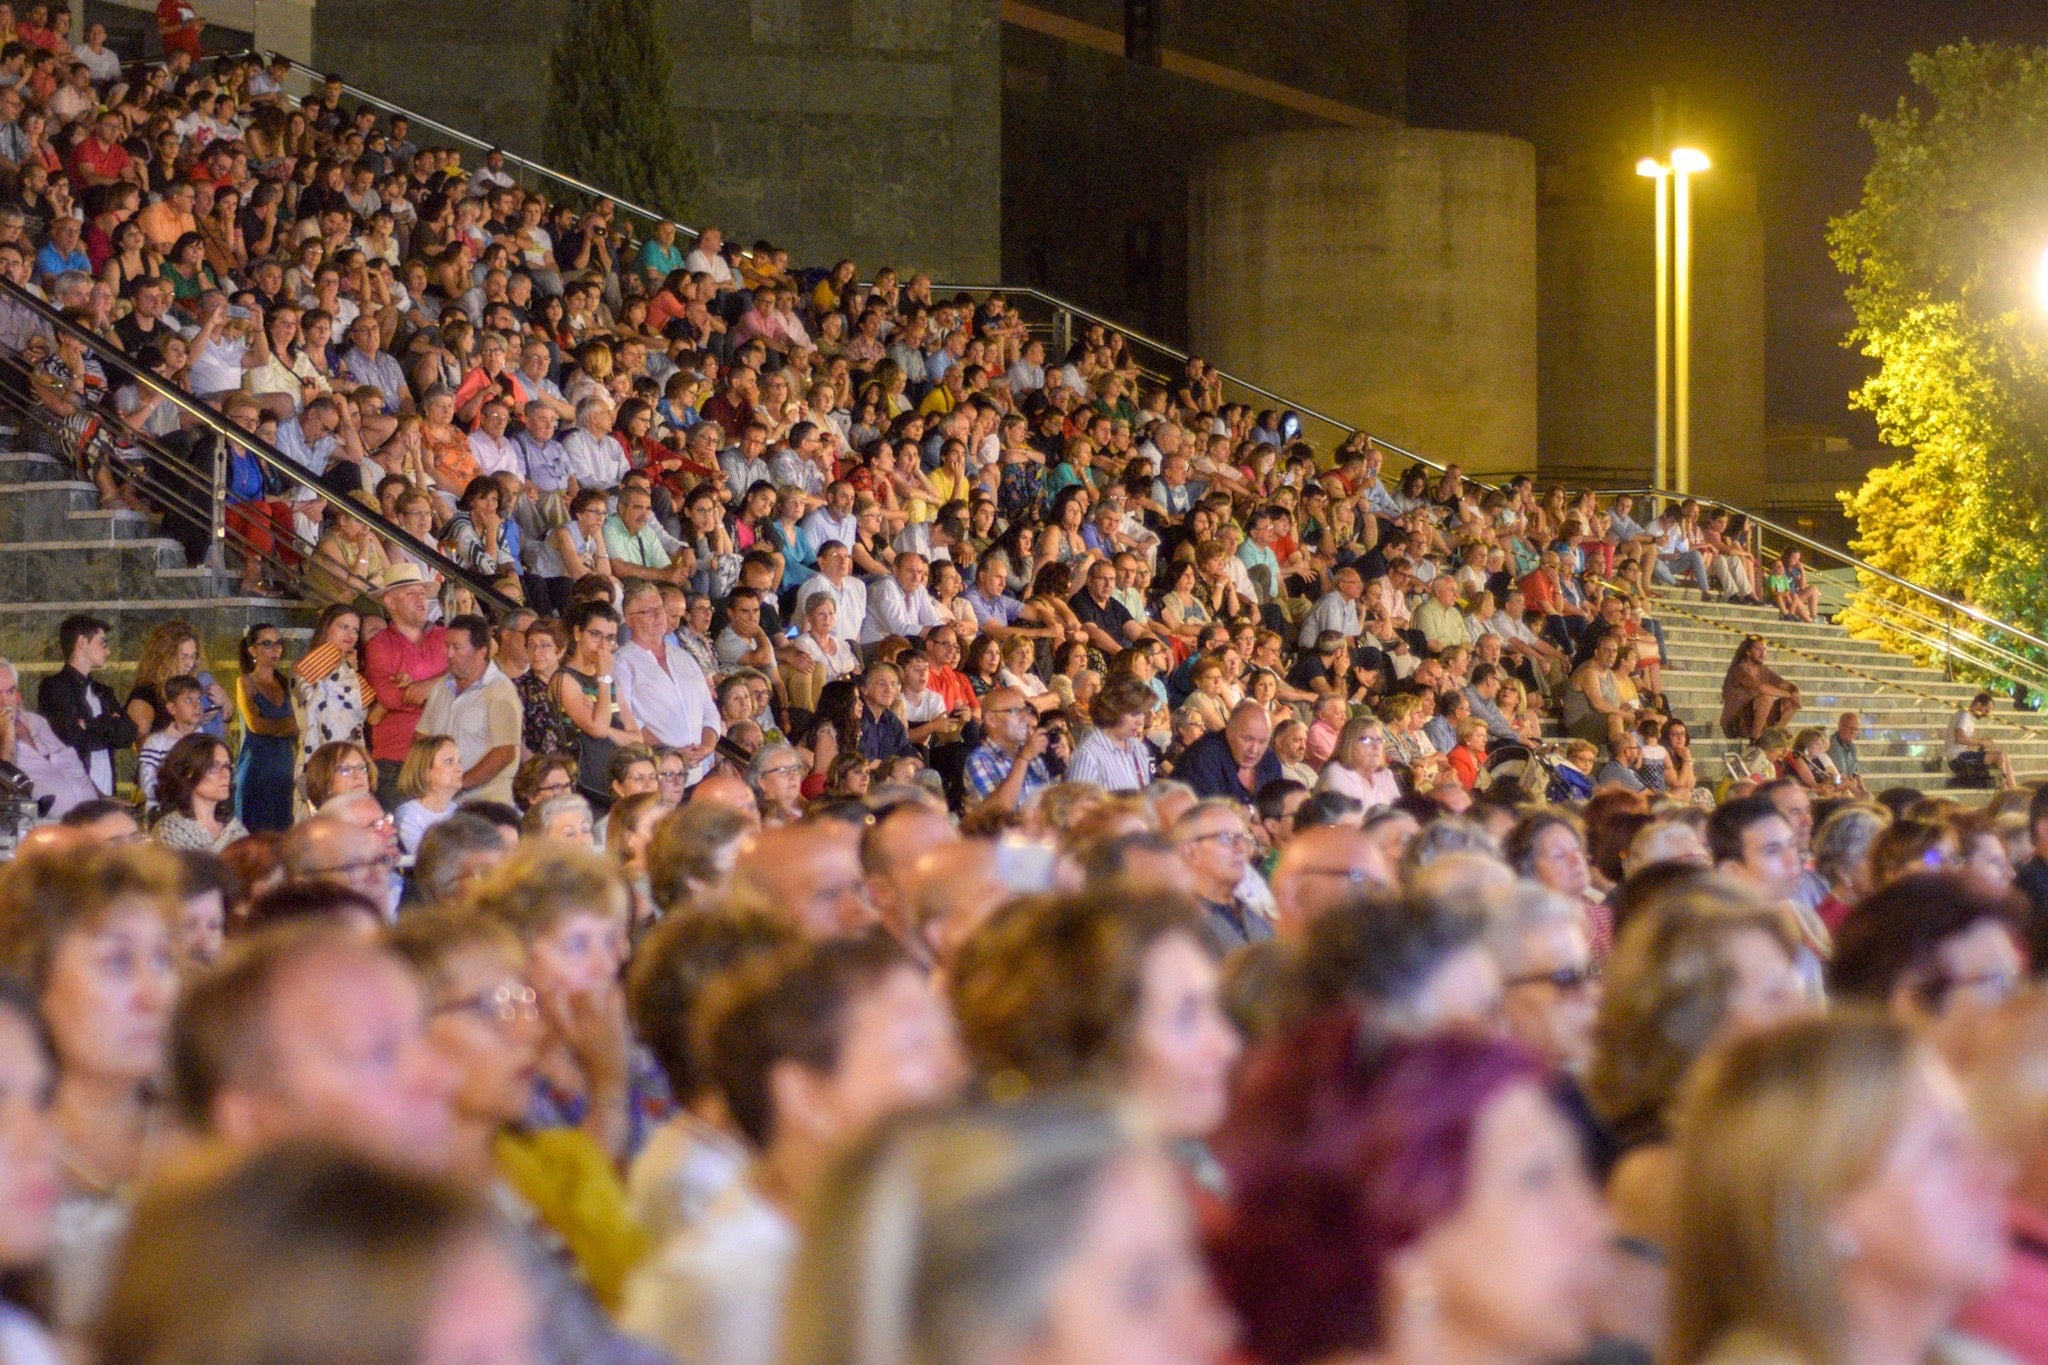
(85, 713)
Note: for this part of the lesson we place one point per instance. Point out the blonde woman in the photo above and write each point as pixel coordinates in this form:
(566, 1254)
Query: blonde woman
(1833, 1201)
(991, 1234)
(1358, 766)
(1697, 966)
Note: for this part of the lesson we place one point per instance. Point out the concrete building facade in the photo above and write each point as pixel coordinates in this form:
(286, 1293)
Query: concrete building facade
(868, 128)
(1390, 276)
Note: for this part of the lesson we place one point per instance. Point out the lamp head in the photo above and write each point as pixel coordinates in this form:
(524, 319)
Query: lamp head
(1689, 160)
(1649, 168)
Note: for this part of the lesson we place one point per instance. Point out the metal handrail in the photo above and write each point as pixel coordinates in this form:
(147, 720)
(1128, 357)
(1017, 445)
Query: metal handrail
(1843, 557)
(265, 453)
(1165, 348)
(1039, 295)
(1992, 647)
(532, 167)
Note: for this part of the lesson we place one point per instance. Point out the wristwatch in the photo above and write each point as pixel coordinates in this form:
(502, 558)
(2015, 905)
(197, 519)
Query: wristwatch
(605, 678)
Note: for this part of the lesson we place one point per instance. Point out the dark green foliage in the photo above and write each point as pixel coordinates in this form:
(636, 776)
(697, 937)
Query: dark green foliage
(610, 121)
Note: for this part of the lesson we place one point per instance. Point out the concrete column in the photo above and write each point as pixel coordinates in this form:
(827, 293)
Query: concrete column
(1385, 277)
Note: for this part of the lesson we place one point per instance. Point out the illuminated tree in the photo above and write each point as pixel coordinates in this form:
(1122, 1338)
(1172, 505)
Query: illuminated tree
(610, 120)
(1945, 259)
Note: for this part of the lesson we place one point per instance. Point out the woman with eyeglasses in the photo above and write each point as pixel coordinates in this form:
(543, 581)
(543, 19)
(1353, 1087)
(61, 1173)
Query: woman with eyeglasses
(484, 1021)
(192, 787)
(336, 770)
(88, 933)
(270, 736)
(543, 777)
(569, 909)
(1358, 766)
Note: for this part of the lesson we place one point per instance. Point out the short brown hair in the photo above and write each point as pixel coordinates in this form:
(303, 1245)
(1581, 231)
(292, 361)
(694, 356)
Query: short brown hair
(542, 883)
(790, 1007)
(1047, 991)
(675, 965)
(218, 1032)
(49, 897)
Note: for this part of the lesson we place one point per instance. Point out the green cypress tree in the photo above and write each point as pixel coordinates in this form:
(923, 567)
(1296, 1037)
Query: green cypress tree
(610, 122)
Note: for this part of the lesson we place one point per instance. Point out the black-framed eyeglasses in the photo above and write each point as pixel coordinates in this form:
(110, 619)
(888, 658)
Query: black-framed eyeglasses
(1565, 980)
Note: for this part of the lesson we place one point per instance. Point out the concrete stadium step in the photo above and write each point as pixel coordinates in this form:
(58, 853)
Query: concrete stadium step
(1905, 707)
(38, 571)
(65, 509)
(29, 630)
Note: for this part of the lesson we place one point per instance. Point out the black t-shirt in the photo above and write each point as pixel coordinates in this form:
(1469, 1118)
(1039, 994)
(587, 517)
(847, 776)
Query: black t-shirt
(133, 337)
(1308, 670)
(1112, 616)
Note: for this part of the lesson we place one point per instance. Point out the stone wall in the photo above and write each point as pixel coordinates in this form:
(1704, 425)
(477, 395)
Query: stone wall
(1386, 278)
(833, 127)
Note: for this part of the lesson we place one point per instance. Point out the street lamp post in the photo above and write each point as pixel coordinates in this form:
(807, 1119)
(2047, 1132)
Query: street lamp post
(1674, 310)
(1660, 173)
(1685, 163)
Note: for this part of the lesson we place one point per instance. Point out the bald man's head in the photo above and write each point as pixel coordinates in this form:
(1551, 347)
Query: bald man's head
(808, 874)
(1323, 867)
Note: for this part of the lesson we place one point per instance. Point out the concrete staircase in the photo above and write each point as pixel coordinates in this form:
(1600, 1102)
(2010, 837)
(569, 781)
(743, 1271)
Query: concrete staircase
(1905, 707)
(61, 553)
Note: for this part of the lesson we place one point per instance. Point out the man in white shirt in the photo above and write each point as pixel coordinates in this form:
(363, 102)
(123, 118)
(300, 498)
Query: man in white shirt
(663, 685)
(901, 604)
(52, 767)
(1340, 610)
(834, 520)
(595, 459)
(476, 705)
(709, 259)
(494, 451)
(835, 579)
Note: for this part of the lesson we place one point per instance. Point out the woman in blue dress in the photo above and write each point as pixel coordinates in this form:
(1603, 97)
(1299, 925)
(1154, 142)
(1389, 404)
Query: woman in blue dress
(270, 735)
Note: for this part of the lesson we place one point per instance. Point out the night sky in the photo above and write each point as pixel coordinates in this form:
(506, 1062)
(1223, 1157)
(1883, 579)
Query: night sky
(1773, 89)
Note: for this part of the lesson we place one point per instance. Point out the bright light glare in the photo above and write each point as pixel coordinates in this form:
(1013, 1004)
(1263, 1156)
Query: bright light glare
(1649, 168)
(2041, 284)
(1689, 159)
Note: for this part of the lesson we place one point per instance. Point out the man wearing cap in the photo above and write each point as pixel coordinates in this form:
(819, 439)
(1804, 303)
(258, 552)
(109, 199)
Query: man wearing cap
(402, 664)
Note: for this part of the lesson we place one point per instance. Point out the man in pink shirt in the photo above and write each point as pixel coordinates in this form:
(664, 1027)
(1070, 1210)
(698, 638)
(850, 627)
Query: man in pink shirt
(402, 664)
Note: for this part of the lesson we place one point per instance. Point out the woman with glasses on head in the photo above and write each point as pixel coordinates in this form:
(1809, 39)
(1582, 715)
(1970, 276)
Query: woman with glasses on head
(330, 698)
(194, 783)
(263, 771)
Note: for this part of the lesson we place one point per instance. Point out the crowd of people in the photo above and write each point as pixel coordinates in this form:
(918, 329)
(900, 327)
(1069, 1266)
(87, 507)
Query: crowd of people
(868, 843)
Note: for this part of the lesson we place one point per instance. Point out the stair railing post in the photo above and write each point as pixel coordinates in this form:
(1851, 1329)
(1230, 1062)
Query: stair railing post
(1063, 332)
(217, 531)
